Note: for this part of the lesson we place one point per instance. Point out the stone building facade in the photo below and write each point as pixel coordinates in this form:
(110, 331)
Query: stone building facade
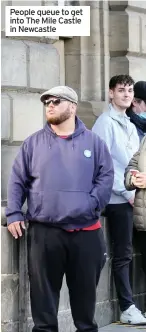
(117, 44)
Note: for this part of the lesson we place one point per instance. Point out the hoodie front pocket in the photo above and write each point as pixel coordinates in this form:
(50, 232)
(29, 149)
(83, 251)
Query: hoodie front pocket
(34, 202)
(92, 204)
(64, 205)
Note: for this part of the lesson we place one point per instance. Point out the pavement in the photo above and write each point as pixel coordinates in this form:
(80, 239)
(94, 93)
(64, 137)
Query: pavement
(117, 327)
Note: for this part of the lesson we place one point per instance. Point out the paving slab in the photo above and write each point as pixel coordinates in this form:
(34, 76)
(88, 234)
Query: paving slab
(117, 327)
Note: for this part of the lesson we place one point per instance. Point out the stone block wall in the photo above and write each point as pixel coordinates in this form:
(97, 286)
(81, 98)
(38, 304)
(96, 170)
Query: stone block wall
(127, 38)
(9, 282)
(30, 66)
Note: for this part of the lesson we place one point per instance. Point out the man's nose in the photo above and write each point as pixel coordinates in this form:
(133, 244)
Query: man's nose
(51, 104)
(127, 94)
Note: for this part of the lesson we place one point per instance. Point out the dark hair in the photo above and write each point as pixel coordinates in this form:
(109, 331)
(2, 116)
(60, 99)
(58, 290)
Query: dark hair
(138, 100)
(120, 79)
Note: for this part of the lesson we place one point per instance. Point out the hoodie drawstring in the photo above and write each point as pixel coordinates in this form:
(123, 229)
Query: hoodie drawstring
(73, 145)
(50, 141)
(72, 139)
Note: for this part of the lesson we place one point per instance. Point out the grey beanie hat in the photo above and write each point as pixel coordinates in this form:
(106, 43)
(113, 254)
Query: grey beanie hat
(64, 92)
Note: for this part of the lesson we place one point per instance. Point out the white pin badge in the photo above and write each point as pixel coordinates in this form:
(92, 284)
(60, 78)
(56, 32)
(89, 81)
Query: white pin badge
(87, 153)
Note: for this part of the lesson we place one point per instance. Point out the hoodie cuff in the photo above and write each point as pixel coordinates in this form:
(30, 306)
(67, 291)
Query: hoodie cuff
(14, 218)
(128, 194)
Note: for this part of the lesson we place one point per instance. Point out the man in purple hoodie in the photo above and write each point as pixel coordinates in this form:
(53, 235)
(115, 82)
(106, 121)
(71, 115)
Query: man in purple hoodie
(66, 174)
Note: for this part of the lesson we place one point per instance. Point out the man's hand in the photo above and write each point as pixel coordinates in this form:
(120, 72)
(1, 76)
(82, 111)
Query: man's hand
(132, 198)
(15, 228)
(139, 180)
(131, 201)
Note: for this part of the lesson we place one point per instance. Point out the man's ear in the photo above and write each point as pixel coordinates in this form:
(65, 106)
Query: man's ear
(73, 108)
(134, 102)
(111, 94)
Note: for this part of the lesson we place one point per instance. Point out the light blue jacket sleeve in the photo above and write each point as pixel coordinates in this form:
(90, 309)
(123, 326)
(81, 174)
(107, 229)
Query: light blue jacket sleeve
(103, 128)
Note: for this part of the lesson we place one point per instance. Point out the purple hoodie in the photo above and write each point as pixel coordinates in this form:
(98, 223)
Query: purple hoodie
(67, 182)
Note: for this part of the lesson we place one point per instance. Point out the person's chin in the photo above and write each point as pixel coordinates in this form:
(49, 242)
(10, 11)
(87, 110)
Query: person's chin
(51, 119)
(54, 121)
(126, 105)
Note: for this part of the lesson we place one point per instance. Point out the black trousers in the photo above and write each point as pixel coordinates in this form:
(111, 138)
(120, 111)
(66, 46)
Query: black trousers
(141, 237)
(120, 222)
(53, 252)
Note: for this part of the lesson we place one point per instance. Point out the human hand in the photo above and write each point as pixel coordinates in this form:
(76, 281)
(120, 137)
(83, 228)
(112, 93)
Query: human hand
(133, 175)
(15, 228)
(131, 201)
(139, 180)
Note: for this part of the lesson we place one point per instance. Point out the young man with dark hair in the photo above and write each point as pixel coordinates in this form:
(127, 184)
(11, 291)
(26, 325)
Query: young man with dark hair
(137, 110)
(66, 173)
(121, 137)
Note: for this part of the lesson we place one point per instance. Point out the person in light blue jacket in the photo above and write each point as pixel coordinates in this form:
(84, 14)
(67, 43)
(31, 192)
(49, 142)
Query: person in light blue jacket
(121, 137)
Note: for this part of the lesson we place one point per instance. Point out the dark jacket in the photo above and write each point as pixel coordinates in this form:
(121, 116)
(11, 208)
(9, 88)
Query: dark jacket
(140, 123)
(67, 182)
